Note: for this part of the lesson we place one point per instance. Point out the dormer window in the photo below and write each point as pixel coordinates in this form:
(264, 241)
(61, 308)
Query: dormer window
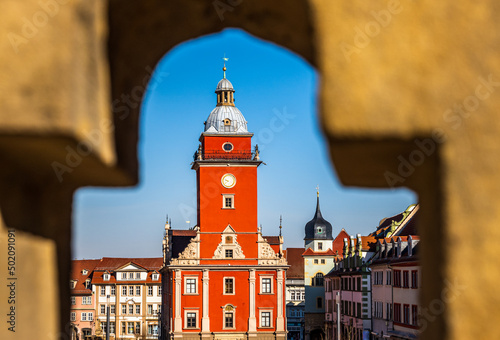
(155, 277)
(106, 277)
(130, 275)
(138, 276)
(85, 272)
(72, 284)
(87, 283)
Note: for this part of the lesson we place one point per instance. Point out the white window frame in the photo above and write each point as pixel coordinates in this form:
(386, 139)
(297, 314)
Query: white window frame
(138, 290)
(195, 278)
(124, 276)
(86, 300)
(124, 290)
(155, 276)
(106, 277)
(233, 312)
(196, 312)
(112, 309)
(83, 316)
(270, 277)
(224, 196)
(137, 276)
(150, 309)
(90, 316)
(103, 309)
(131, 290)
(138, 309)
(150, 290)
(224, 285)
(270, 311)
(102, 291)
(72, 316)
(113, 290)
(73, 300)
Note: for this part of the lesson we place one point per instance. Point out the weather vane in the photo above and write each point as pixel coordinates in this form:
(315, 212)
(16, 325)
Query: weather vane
(224, 68)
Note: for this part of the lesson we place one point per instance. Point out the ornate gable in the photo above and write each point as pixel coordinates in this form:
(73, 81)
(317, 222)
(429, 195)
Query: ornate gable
(190, 255)
(228, 242)
(267, 256)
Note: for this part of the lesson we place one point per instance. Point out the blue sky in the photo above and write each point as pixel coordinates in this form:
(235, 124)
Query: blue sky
(276, 92)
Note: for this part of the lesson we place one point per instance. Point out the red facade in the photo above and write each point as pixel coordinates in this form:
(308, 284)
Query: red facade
(224, 279)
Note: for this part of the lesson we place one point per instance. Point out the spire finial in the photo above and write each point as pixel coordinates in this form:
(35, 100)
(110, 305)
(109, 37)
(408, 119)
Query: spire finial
(317, 190)
(224, 68)
(281, 220)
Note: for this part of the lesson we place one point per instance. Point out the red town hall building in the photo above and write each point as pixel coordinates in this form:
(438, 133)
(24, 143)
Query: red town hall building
(223, 279)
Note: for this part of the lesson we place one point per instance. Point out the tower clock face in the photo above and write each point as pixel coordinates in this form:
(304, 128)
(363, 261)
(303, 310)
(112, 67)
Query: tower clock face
(228, 180)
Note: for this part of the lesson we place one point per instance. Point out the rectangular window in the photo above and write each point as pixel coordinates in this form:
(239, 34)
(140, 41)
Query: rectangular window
(397, 278)
(315, 261)
(228, 285)
(103, 290)
(358, 286)
(137, 328)
(389, 276)
(138, 290)
(131, 309)
(73, 300)
(190, 286)
(130, 276)
(323, 261)
(414, 279)
(112, 309)
(228, 320)
(111, 327)
(150, 290)
(319, 303)
(73, 316)
(359, 311)
(229, 253)
(131, 290)
(265, 319)
(397, 312)
(124, 327)
(84, 316)
(159, 290)
(227, 201)
(266, 286)
(124, 290)
(103, 309)
(137, 309)
(130, 327)
(389, 311)
(124, 309)
(414, 315)
(406, 281)
(113, 290)
(86, 300)
(320, 245)
(292, 295)
(90, 316)
(406, 314)
(190, 320)
(124, 276)
(150, 309)
(138, 276)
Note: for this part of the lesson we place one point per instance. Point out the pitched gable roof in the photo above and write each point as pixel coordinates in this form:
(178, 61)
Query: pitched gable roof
(296, 262)
(77, 275)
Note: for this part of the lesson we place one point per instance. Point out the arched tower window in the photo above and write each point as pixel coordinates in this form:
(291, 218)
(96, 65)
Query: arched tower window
(317, 280)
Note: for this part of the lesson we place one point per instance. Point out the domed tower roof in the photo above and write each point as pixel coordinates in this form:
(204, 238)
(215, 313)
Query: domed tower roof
(225, 118)
(318, 228)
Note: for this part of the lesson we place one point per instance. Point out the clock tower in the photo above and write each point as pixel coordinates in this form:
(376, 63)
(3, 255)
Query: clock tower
(223, 279)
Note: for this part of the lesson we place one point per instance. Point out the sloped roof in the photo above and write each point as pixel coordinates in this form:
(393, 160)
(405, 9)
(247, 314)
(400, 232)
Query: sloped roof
(113, 263)
(405, 223)
(296, 262)
(310, 252)
(272, 240)
(77, 266)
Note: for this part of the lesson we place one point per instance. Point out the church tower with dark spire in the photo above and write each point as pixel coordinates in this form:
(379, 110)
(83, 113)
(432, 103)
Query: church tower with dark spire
(318, 231)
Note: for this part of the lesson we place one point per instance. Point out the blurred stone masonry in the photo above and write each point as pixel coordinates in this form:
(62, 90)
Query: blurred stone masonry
(64, 62)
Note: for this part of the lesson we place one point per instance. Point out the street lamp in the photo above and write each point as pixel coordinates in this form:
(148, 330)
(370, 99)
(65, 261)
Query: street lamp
(337, 301)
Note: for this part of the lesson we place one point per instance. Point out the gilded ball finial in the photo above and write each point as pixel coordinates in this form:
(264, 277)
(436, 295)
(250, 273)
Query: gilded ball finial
(224, 68)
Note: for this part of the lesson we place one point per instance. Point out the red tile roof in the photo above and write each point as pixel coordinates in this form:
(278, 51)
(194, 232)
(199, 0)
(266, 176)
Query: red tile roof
(113, 263)
(76, 274)
(310, 252)
(296, 263)
(178, 232)
(272, 239)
